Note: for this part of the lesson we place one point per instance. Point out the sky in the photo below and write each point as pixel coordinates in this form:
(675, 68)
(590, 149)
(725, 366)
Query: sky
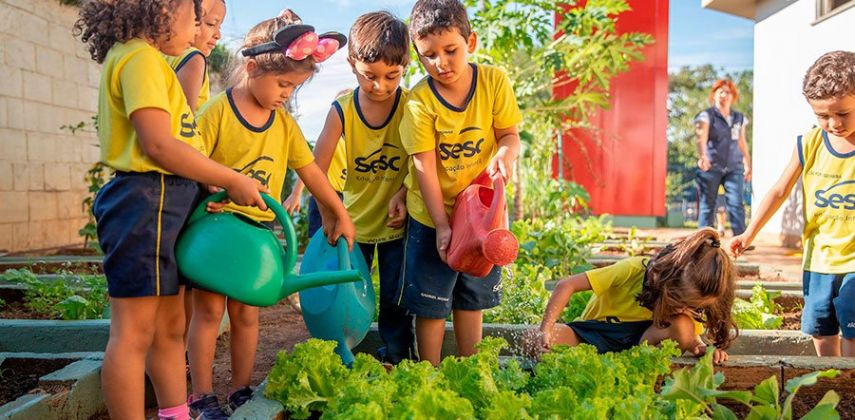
(697, 36)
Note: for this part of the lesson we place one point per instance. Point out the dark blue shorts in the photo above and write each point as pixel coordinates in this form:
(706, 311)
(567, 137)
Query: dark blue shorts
(829, 304)
(610, 336)
(431, 289)
(314, 217)
(139, 218)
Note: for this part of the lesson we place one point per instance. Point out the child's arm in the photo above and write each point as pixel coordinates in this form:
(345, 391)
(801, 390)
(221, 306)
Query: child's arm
(398, 209)
(558, 301)
(770, 204)
(425, 166)
(152, 128)
(292, 203)
(506, 156)
(191, 75)
(317, 183)
(746, 155)
(324, 151)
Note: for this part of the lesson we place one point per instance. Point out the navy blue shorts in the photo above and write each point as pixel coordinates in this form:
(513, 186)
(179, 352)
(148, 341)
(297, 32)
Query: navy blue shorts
(829, 304)
(431, 289)
(610, 336)
(139, 218)
(314, 217)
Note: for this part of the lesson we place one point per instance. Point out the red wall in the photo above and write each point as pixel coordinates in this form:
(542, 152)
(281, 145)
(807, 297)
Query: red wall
(625, 175)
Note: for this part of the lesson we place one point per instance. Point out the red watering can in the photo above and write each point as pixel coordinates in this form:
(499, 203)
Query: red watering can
(480, 237)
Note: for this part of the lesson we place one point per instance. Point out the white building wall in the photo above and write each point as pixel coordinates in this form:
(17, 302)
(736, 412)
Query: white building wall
(786, 43)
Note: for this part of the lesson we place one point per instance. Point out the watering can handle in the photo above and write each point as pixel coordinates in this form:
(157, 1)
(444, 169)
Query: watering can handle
(289, 257)
(499, 191)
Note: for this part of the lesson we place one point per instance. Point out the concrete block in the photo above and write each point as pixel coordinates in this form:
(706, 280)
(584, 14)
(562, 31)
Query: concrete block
(13, 145)
(260, 408)
(93, 71)
(51, 118)
(37, 176)
(26, 5)
(40, 147)
(15, 119)
(20, 53)
(6, 176)
(6, 243)
(37, 87)
(87, 98)
(61, 39)
(49, 61)
(4, 116)
(20, 236)
(29, 406)
(69, 205)
(57, 177)
(75, 68)
(70, 373)
(12, 81)
(20, 177)
(64, 93)
(13, 207)
(31, 115)
(42, 206)
(41, 336)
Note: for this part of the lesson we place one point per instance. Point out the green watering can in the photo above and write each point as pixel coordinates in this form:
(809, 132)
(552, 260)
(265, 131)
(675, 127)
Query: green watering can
(235, 256)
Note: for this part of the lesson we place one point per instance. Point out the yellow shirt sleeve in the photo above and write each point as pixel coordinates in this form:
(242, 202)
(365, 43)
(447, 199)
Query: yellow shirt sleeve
(299, 154)
(417, 128)
(142, 85)
(506, 112)
(615, 275)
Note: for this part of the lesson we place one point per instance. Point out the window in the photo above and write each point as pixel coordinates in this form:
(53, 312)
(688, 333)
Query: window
(827, 8)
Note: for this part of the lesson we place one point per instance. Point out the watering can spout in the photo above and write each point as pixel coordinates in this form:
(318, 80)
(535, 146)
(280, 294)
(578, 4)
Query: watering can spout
(296, 283)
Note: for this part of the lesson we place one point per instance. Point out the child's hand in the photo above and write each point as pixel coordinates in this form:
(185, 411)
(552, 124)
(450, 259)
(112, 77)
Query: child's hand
(244, 191)
(704, 163)
(503, 163)
(719, 356)
(292, 203)
(344, 227)
(738, 245)
(397, 211)
(443, 239)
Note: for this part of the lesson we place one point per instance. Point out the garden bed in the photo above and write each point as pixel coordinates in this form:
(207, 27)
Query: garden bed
(21, 376)
(54, 264)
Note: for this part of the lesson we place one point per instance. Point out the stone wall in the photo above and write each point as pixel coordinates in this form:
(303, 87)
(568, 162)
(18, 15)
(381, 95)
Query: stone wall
(47, 80)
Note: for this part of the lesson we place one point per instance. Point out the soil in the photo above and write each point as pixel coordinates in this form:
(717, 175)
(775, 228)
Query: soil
(17, 310)
(20, 376)
(792, 320)
(57, 267)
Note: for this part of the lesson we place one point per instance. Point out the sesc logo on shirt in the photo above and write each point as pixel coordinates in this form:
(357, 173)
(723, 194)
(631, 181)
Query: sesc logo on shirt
(836, 197)
(463, 149)
(376, 161)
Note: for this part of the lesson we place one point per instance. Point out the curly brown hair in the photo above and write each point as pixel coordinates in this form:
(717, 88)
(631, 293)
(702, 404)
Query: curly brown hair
(272, 62)
(831, 76)
(687, 272)
(103, 23)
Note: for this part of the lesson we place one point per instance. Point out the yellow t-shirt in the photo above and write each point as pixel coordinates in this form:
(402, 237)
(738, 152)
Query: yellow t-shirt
(262, 153)
(615, 288)
(464, 138)
(376, 167)
(176, 62)
(828, 181)
(135, 76)
(337, 172)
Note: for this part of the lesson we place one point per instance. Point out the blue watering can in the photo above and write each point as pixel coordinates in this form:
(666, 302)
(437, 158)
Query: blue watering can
(341, 312)
(234, 256)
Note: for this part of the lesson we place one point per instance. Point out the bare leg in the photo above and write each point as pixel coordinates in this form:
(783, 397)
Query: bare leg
(243, 342)
(467, 330)
(188, 313)
(681, 330)
(202, 340)
(827, 345)
(165, 358)
(132, 330)
(429, 334)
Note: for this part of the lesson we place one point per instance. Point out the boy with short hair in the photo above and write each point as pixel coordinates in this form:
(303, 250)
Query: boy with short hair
(366, 120)
(825, 159)
(460, 121)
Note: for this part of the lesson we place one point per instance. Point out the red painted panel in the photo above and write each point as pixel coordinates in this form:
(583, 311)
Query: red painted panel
(623, 165)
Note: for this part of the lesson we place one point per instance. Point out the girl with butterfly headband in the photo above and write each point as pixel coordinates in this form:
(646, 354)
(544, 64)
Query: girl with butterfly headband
(683, 293)
(248, 128)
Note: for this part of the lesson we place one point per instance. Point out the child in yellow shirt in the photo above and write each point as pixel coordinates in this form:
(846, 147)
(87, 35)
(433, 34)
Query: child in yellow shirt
(460, 121)
(366, 122)
(248, 129)
(148, 136)
(824, 162)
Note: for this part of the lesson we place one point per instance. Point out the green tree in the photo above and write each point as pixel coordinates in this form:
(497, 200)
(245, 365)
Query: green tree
(688, 94)
(587, 52)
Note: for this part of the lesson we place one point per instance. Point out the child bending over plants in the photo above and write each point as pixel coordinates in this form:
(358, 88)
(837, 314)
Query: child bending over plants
(682, 293)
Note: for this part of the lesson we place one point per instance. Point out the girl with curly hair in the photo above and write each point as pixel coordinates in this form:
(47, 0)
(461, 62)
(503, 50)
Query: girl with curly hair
(248, 128)
(148, 135)
(682, 293)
